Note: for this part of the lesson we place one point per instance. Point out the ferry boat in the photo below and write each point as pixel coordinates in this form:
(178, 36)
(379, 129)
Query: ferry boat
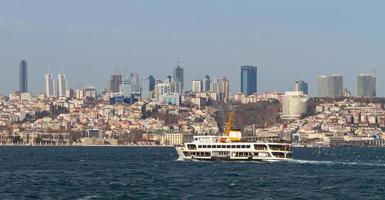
(233, 148)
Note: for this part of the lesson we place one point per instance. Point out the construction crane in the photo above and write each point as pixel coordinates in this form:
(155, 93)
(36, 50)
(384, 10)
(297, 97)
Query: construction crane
(229, 123)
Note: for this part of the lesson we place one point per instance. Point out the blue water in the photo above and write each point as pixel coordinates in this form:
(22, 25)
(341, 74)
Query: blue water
(154, 173)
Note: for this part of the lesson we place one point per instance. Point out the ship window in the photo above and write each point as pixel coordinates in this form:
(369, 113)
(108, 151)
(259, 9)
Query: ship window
(223, 146)
(243, 146)
(233, 146)
(204, 146)
(238, 146)
(199, 146)
(208, 146)
(214, 146)
(248, 146)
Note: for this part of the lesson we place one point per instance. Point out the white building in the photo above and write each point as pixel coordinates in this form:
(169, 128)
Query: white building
(197, 86)
(49, 85)
(62, 85)
(294, 104)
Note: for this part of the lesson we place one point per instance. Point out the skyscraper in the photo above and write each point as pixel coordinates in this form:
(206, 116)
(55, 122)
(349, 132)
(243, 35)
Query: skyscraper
(301, 86)
(126, 88)
(62, 85)
(330, 86)
(224, 90)
(152, 82)
(366, 85)
(145, 91)
(248, 80)
(23, 77)
(178, 77)
(49, 85)
(135, 81)
(115, 82)
(207, 83)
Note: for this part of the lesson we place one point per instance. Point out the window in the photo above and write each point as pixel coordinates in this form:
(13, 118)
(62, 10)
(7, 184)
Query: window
(243, 146)
(204, 146)
(248, 146)
(199, 146)
(238, 146)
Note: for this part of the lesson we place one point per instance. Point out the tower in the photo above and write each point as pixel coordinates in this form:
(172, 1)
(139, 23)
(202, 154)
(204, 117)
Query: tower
(62, 85)
(248, 80)
(23, 77)
(49, 85)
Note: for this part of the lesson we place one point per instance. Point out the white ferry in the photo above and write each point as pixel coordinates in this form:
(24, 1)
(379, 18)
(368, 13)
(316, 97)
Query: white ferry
(233, 147)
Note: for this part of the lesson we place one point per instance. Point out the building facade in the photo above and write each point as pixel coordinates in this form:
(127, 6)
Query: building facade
(301, 86)
(366, 85)
(294, 104)
(330, 86)
(62, 85)
(197, 86)
(178, 79)
(248, 80)
(23, 77)
(49, 85)
(115, 82)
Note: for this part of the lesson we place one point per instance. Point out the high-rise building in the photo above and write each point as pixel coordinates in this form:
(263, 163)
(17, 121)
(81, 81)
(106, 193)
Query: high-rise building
(135, 82)
(163, 88)
(214, 86)
(301, 86)
(207, 83)
(197, 85)
(145, 88)
(152, 82)
(330, 86)
(248, 80)
(126, 88)
(23, 77)
(224, 90)
(115, 82)
(49, 85)
(62, 85)
(366, 85)
(178, 77)
(294, 104)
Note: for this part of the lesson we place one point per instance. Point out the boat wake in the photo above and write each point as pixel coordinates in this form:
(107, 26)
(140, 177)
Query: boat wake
(324, 162)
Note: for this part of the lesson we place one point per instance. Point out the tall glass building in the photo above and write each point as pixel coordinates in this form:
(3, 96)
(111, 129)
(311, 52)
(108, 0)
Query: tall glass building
(330, 86)
(248, 80)
(178, 77)
(301, 86)
(366, 85)
(23, 77)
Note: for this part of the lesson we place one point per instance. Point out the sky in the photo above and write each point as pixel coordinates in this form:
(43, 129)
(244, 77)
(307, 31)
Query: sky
(288, 40)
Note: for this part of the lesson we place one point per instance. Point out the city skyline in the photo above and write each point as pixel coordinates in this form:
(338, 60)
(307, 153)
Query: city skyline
(347, 41)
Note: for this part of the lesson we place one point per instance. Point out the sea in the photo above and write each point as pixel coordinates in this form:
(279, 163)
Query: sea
(156, 173)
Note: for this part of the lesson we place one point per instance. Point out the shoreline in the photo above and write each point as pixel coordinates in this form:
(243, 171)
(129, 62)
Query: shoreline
(147, 146)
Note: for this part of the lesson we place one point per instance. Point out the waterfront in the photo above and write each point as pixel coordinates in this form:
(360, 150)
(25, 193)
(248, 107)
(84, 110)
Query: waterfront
(154, 173)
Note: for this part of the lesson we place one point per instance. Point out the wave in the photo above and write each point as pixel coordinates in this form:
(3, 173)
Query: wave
(325, 162)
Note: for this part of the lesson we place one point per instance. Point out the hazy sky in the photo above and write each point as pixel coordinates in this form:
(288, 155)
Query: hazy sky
(287, 40)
